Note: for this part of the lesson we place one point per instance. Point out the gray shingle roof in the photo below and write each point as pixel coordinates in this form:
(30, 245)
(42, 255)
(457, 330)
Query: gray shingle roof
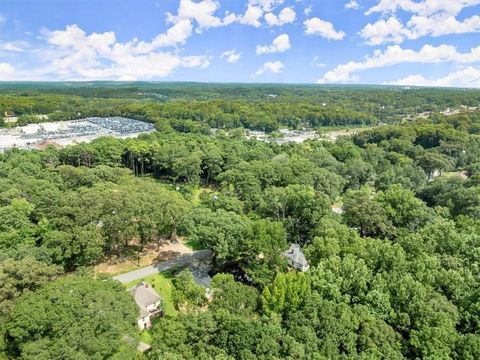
(296, 255)
(144, 295)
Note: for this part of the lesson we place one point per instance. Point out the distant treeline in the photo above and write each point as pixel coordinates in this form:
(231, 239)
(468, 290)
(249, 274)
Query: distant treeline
(198, 107)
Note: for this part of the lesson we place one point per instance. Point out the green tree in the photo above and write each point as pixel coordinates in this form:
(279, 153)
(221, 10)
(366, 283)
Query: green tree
(75, 317)
(362, 212)
(432, 161)
(286, 294)
(187, 294)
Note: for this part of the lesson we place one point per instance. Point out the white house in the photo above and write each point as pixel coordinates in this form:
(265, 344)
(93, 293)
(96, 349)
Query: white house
(296, 258)
(149, 303)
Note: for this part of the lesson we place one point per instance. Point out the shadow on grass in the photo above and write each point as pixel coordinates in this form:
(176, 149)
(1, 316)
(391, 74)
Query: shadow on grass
(195, 245)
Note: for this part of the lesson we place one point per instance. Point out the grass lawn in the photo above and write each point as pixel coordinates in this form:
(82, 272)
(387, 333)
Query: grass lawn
(195, 245)
(162, 283)
(127, 352)
(146, 337)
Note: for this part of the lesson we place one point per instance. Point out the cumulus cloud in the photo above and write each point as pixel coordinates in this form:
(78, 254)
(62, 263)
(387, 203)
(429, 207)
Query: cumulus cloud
(317, 26)
(178, 34)
(266, 5)
(7, 71)
(394, 55)
(286, 16)
(425, 8)
(308, 10)
(202, 12)
(252, 16)
(466, 77)
(74, 54)
(425, 21)
(232, 56)
(352, 4)
(392, 30)
(275, 67)
(280, 44)
(258, 9)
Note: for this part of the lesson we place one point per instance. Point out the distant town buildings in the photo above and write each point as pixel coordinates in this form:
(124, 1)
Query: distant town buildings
(63, 133)
(285, 136)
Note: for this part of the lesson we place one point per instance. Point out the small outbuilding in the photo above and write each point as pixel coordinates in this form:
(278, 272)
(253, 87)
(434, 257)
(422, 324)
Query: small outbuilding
(296, 258)
(149, 303)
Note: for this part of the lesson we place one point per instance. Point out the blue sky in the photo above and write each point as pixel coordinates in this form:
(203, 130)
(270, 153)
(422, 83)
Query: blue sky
(406, 42)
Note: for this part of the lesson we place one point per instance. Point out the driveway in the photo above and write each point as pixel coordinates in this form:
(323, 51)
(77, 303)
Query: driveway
(195, 257)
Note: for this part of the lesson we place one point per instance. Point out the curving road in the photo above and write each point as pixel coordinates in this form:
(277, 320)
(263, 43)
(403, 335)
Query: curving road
(182, 260)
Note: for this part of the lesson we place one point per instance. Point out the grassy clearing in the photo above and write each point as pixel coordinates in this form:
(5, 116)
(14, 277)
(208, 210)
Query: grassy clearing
(146, 337)
(162, 283)
(194, 245)
(127, 352)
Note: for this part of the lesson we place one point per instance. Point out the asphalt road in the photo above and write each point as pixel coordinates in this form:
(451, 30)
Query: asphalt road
(183, 260)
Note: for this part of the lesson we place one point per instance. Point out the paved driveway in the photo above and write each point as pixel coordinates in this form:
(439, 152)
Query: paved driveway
(182, 260)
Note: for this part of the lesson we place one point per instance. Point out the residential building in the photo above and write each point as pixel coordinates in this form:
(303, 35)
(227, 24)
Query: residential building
(296, 258)
(149, 304)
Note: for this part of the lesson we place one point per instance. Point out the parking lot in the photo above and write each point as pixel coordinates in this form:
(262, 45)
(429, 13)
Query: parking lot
(63, 133)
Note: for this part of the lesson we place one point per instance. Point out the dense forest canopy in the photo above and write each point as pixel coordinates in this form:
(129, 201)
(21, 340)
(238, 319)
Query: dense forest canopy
(393, 275)
(196, 107)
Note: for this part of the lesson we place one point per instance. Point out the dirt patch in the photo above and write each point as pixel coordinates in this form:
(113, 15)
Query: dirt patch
(333, 136)
(151, 255)
(172, 250)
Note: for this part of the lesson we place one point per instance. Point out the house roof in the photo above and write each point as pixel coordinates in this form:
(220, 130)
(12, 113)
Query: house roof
(144, 296)
(295, 253)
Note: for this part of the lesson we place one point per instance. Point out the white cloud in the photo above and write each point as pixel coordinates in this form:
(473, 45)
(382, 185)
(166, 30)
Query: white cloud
(308, 10)
(317, 63)
(6, 71)
(280, 44)
(286, 16)
(232, 56)
(199, 61)
(202, 12)
(266, 5)
(425, 7)
(352, 4)
(258, 9)
(392, 30)
(430, 18)
(178, 34)
(272, 67)
(466, 77)
(394, 55)
(438, 25)
(73, 54)
(252, 16)
(382, 31)
(14, 46)
(316, 26)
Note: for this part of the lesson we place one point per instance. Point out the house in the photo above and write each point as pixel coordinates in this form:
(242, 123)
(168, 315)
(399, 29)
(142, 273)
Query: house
(296, 258)
(149, 303)
(9, 117)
